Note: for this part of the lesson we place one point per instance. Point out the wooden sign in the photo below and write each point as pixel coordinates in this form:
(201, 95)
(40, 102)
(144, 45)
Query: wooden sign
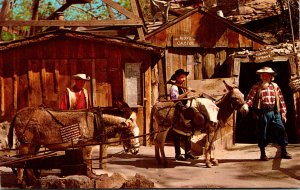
(184, 41)
(263, 56)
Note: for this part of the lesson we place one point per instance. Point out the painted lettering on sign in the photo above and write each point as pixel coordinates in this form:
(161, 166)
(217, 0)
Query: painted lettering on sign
(263, 56)
(184, 41)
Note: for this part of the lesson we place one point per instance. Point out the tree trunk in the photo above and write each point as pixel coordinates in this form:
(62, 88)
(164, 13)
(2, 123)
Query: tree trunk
(4, 11)
(34, 8)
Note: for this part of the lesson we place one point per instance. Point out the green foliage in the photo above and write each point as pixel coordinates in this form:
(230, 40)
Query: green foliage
(6, 36)
(94, 10)
(21, 10)
(46, 9)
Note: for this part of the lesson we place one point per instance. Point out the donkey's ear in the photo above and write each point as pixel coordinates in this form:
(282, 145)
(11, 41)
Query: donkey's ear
(230, 88)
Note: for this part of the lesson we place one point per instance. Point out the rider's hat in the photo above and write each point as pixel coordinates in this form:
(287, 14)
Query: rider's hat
(266, 70)
(80, 76)
(179, 72)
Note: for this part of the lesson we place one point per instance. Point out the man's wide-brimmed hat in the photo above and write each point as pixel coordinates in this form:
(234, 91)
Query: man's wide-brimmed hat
(179, 72)
(266, 70)
(80, 76)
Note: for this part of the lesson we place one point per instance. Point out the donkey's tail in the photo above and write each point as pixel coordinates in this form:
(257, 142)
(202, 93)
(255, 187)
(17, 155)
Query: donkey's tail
(11, 133)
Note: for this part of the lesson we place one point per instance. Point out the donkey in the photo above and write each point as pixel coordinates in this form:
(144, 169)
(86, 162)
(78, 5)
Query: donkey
(59, 130)
(164, 117)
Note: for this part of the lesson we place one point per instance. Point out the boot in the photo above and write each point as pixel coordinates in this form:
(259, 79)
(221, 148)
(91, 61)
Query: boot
(187, 148)
(263, 155)
(189, 155)
(285, 154)
(178, 155)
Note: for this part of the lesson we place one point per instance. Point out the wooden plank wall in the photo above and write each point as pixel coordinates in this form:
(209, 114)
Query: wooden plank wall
(201, 64)
(209, 32)
(39, 73)
(217, 41)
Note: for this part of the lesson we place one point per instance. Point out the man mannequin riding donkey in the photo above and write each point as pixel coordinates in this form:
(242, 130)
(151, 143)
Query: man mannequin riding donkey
(179, 93)
(186, 115)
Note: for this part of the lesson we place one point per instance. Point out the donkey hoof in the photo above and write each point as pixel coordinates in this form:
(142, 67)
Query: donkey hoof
(208, 164)
(215, 162)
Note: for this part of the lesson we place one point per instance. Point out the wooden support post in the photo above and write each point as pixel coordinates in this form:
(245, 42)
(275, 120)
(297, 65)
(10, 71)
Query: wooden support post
(60, 16)
(93, 84)
(161, 81)
(103, 156)
(30, 82)
(15, 92)
(43, 81)
(56, 77)
(2, 103)
(2, 96)
(147, 104)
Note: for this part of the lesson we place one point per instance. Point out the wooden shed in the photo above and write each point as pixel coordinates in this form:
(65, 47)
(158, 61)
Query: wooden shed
(36, 71)
(201, 43)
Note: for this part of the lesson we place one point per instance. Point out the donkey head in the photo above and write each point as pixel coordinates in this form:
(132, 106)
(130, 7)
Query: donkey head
(130, 135)
(122, 106)
(236, 96)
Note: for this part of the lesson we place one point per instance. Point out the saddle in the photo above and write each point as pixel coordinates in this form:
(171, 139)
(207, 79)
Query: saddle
(187, 119)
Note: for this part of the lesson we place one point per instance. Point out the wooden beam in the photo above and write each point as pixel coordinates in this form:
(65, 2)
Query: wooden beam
(120, 9)
(128, 22)
(61, 9)
(110, 12)
(136, 12)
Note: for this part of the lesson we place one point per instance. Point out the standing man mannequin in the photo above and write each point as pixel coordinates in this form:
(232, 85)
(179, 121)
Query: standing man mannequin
(177, 92)
(76, 97)
(266, 98)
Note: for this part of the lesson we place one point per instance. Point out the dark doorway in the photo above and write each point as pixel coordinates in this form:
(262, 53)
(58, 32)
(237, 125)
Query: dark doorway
(245, 127)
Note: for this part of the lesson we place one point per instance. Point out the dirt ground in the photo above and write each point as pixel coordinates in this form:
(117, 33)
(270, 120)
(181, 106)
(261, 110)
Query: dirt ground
(239, 168)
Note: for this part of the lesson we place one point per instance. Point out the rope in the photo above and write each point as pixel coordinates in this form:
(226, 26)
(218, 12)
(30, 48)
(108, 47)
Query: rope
(54, 118)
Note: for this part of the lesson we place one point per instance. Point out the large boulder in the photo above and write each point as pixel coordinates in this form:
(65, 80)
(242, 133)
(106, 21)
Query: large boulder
(137, 182)
(116, 181)
(69, 182)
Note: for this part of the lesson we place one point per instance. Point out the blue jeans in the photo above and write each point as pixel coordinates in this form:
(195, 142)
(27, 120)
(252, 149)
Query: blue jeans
(271, 119)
